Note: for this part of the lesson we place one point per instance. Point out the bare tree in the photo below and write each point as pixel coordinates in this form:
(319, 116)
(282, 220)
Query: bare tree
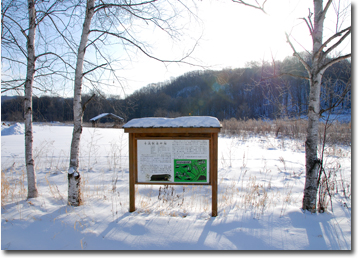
(30, 167)
(74, 179)
(321, 57)
(319, 62)
(19, 24)
(111, 21)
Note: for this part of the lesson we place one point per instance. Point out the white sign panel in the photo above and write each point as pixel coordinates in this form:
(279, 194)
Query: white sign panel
(173, 161)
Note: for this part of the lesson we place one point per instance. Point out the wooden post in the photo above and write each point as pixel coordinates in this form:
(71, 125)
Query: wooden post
(214, 173)
(132, 175)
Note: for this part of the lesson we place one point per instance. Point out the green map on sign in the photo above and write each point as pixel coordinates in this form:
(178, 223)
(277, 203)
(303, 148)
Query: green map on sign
(190, 170)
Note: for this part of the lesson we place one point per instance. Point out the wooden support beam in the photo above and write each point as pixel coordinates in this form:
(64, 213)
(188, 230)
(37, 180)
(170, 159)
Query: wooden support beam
(132, 174)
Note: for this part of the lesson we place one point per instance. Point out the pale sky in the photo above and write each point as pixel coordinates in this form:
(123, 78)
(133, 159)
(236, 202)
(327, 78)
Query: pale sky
(230, 35)
(233, 35)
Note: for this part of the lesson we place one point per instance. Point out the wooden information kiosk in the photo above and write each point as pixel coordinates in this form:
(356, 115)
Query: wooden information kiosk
(179, 151)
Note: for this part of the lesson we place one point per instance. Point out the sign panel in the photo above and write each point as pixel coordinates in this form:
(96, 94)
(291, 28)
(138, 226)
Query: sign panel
(173, 161)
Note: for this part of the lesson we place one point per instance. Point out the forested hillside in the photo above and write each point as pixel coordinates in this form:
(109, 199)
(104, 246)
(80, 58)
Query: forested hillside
(252, 92)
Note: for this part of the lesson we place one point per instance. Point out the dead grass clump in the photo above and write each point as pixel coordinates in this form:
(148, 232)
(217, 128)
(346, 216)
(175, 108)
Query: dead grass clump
(5, 189)
(293, 128)
(230, 127)
(337, 132)
(256, 196)
(13, 186)
(246, 127)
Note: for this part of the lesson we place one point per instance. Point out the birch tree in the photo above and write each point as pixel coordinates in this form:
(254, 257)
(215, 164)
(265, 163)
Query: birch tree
(19, 24)
(74, 179)
(322, 56)
(111, 21)
(30, 167)
(315, 68)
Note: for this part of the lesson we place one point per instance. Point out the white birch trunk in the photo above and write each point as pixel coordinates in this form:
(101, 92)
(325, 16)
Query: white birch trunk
(29, 161)
(315, 72)
(311, 154)
(312, 141)
(74, 177)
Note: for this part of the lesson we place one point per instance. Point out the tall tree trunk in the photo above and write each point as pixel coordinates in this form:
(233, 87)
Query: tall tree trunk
(74, 177)
(315, 71)
(29, 161)
(315, 81)
(311, 154)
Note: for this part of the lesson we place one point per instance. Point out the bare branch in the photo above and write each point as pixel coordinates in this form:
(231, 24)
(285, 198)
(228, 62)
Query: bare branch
(295, 53)
(109, 5)
(93, 41)
(86, 103)
(333, 61)
(14, 21)
(47, 12)
(310, 19)
(93, 69)
(258, 6)
(15, 41)
(308, 25)
(309, 22)
(181, 60)
(340, 100)
(56, 55)
(339, 41)
(338, 34)
(13, 60)
(321, 15)
(62, 34)
(326, 8)
(5, 89)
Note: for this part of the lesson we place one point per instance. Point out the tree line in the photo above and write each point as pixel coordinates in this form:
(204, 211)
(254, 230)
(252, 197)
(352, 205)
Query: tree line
(243, 93)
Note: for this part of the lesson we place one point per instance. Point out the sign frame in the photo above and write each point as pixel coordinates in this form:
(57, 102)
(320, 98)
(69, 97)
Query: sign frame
(173, 133)
(150, 150)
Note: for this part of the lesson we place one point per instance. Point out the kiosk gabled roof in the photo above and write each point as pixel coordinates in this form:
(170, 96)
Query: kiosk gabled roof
(180, 122)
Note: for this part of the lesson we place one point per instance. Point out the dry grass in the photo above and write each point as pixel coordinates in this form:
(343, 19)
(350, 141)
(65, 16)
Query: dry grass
(337, 132)
(103, 125)
(249, 194)
(13, 186)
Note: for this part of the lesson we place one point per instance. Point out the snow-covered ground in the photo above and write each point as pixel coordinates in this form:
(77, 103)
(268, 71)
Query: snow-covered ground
(260, 186)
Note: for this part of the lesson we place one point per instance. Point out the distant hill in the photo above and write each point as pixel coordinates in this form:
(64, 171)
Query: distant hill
(242, 93)
(5, 98)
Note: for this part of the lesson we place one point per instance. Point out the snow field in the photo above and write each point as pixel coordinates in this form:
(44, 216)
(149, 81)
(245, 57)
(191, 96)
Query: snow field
(260, 186)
